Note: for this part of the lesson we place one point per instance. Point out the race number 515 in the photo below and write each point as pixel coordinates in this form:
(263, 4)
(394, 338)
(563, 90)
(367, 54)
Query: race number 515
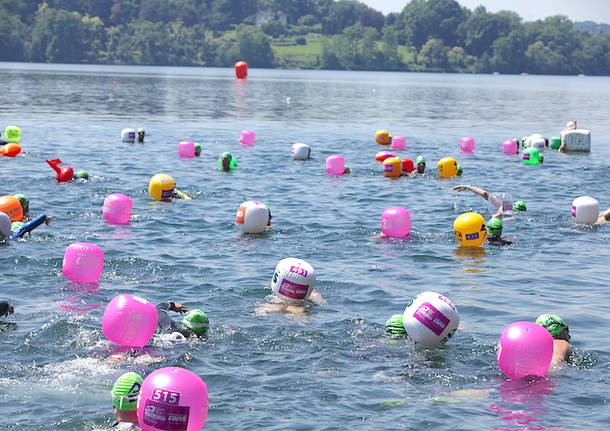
(164, 396)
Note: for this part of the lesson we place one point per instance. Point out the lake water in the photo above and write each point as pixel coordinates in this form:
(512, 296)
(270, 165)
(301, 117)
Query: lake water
(335, 369)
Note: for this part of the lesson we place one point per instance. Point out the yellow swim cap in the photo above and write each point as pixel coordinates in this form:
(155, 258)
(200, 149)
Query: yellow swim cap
(470, 229)
(161, 187)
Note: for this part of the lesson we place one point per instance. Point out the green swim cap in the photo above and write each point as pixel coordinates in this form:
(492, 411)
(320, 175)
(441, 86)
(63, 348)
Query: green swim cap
(494, 226)
(394, 325)
(24, 201)
(226, 161)
(459, 171)
(16, 225)
(197, 149)
(552, 323)
(140, 130)
(125, 391)
(197, 321)
(82, 174)
(519, 206)
(420, 159)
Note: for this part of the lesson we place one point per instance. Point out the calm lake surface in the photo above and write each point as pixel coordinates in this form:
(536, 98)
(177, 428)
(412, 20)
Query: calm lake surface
(335, 369)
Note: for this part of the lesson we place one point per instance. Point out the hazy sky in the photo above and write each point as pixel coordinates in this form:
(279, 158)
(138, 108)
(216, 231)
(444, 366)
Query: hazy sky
(529, 10)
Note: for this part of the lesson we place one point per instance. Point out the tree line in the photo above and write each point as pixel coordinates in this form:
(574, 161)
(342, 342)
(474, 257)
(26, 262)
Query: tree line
(427, 35)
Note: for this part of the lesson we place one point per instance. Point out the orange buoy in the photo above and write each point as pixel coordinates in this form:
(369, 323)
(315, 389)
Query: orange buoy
(11, 206)
(10, 150)
(241, 70)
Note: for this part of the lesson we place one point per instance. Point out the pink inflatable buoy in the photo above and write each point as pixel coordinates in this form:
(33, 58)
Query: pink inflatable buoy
(396, 222)
(117, 208)
(399, 143)
(524, 349)
(335, 165)
(467, 144)
(173, 398)
(83, 262)
(247, 138)
(129, 320)
(186, 149)
(510, 147)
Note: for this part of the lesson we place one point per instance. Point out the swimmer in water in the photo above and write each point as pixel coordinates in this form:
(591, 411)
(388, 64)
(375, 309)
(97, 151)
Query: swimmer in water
(141, 134)
(517, 206)
(603, 217)
(6, 309)
(494, 232)
(420, 167)
(560, 333)
(125, 393)
(292, 284)
(195, 323)
(20, 228)
(226, 162)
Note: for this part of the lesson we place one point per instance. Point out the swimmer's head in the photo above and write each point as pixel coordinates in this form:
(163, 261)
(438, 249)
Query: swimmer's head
(555, 325)
(84, 175)
(141, 134)
(197, 149)
(6, 309)
(459, 171)
(519, 206)
(197, 321)
(24, 201)
(225, 161)
(5, 227)
(125, 391)
(394, 325)
(421, 164)
(494, 226)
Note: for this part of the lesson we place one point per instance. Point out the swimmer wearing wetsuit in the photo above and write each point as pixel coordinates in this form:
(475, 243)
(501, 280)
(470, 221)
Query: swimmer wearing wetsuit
(517, 206)
(195, 322)
(6, 309)
(494, 232)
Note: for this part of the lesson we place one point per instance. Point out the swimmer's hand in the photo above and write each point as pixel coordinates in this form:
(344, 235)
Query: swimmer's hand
(178, 308)
(47, 220)
(461, 188)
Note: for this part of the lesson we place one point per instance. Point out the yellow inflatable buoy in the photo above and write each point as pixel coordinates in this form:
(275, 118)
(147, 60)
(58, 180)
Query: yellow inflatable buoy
(447, 167)
(161, 187)
(392, 167)
(383, 137)
(470, 229)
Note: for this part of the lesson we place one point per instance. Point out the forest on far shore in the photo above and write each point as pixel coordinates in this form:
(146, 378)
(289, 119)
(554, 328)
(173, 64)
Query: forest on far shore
(427, 35)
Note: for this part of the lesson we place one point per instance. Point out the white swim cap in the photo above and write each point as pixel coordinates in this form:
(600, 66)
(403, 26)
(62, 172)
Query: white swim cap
(5, 226)
(431, 319)
(293, 279)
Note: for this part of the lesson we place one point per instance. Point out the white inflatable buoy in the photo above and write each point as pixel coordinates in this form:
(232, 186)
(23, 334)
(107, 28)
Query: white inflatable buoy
(536, 140)
(431, 319)
(300, 151)
(252, 217)
(576, 140)
(585, 209)
(128, 135)
(293, 279)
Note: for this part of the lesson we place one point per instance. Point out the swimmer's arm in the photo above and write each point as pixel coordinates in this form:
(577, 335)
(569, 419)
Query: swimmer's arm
(603, 217)
(561, 351)
(178, 308)
(30, 226)
(476, 190)
(316, 298)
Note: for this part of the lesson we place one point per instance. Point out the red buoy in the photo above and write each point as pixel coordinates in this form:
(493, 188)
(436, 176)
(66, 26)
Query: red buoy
(241, 70)
(407, 165)
(64, 174)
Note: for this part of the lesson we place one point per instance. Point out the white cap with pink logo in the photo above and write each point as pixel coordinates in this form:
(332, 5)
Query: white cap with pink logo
(293, 279)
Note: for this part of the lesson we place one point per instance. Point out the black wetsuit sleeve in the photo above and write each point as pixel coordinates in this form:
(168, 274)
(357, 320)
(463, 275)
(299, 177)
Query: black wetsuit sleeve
(4, 306)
